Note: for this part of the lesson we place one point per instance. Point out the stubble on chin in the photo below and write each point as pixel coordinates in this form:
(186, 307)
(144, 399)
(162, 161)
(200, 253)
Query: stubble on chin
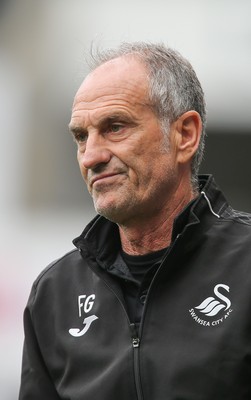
(115, 207)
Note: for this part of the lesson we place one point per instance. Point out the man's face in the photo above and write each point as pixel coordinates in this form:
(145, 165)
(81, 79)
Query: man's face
(123, 155)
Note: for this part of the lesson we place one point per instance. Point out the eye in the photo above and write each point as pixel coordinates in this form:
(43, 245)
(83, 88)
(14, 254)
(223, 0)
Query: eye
(115, 128)
(80, 138)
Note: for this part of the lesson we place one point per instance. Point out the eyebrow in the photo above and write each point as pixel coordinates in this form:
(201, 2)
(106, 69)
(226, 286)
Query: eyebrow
(106, 120)
(75, 130)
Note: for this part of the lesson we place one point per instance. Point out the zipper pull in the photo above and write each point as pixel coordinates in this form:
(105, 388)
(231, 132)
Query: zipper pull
(135, 338)
(135, 342)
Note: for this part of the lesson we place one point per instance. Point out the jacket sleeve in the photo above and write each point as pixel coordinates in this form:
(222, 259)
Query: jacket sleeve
(36, 383)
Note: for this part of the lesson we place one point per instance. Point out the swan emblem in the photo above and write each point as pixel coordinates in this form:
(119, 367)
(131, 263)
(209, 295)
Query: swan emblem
(211, 306)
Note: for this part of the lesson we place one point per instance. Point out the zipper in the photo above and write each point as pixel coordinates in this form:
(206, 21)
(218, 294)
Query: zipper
(136, 347)
(136, 336)
(153, 282)
(136, 340)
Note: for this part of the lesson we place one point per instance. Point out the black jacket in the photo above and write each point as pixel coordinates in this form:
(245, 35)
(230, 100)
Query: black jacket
(194, 341)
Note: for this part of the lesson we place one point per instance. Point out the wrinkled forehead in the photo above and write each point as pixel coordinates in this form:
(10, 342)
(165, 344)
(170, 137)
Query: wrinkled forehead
(118, 87)
(120, 75)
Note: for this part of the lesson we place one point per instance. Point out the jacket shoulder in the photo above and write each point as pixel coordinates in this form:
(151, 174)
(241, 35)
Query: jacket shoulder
(54, 275)
(237, 216)
(67, 259)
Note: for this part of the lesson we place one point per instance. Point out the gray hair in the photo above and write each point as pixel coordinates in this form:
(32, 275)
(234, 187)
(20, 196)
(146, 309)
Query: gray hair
(173, 85)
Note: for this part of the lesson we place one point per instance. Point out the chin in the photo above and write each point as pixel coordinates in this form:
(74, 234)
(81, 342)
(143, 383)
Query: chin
(115, 206)
(109, 213)
(112, 211)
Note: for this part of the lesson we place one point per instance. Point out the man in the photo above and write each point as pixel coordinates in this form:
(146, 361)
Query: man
(154, 304)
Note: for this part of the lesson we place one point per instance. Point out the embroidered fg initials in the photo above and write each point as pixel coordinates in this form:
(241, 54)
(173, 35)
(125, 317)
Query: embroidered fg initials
(85, 303)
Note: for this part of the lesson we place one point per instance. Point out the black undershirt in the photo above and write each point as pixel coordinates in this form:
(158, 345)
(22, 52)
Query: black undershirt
(142, 269)
(135, 273)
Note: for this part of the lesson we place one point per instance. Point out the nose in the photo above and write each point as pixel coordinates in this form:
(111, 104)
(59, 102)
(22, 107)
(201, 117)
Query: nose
(95, 152)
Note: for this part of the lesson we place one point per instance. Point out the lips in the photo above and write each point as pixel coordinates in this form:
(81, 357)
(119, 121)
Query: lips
(102, 176)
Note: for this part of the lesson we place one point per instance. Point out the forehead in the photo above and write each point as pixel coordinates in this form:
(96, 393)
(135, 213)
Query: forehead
(118, 80)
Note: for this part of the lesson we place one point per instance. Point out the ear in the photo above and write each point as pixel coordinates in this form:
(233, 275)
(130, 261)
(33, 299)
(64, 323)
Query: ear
(188, 132)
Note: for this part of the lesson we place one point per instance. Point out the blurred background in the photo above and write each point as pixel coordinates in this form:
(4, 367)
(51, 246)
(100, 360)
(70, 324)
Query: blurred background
(43, 45)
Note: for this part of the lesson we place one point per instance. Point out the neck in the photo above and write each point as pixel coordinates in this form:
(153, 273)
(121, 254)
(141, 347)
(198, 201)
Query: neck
(155, 232)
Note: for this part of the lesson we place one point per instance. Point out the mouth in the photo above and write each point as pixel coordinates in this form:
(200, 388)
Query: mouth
(103, 178)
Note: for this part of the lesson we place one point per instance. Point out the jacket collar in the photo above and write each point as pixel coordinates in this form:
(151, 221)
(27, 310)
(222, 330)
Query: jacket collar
(211, 202)
(101, 237)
